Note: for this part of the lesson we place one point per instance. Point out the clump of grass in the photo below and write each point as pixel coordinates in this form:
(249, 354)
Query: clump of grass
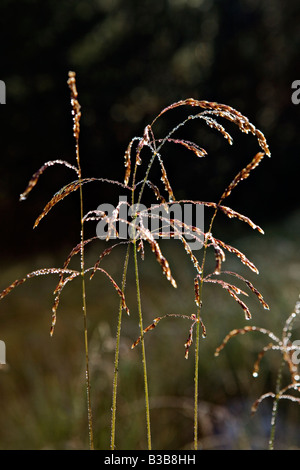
(289, 351)
(138, 165)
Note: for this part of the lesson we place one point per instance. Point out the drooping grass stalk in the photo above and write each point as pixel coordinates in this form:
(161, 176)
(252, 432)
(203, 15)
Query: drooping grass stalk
(287, 348)
(76, 130)
(196, 373)
(117, 354)
(287, 331)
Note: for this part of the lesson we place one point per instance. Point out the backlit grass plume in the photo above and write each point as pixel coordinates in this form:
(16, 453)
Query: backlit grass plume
(141, 154)
(290, 351)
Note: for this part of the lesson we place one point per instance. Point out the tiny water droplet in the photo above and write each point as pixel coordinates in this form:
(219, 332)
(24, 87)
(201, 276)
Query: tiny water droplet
(255, 374)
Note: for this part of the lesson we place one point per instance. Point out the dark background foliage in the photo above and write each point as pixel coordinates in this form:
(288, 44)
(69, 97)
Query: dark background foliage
(132, 58)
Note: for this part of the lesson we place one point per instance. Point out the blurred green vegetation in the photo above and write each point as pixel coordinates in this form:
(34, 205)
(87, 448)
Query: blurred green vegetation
(42, 385)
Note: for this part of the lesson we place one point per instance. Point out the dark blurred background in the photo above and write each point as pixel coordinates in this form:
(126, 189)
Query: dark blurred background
(132, 58)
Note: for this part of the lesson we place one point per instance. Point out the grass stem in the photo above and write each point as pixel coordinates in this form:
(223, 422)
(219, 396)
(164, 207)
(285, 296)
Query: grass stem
(275, 407)
(196, 391)
(117, 355)
(139, 303)
(76, 131)
(197, 343)
(143, 346)
(84, 309)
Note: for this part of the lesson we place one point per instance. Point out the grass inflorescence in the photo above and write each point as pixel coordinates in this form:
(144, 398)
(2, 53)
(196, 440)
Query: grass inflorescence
(138, 164)
(289, 351)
